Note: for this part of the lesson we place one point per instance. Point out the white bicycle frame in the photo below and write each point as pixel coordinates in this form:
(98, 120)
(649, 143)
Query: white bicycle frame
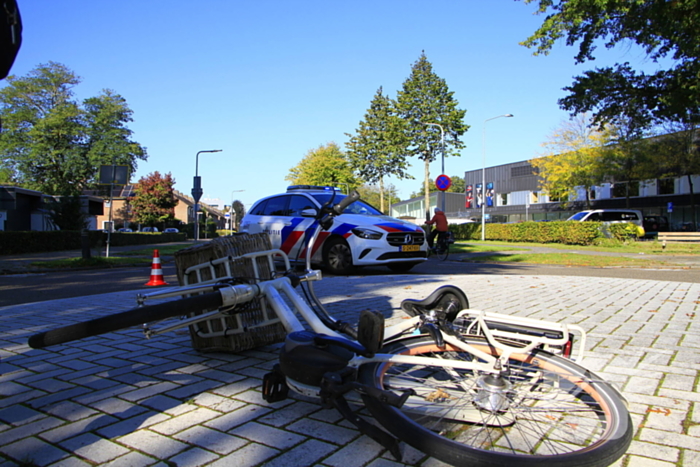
(286, 303)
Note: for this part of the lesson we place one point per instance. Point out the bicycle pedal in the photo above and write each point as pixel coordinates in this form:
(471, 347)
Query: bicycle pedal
(275, 387)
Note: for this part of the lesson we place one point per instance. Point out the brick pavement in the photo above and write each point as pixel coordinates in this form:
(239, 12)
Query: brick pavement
(122, 400)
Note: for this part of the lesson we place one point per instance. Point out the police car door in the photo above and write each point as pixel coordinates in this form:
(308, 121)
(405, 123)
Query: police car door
(297, 226)
(273, 219)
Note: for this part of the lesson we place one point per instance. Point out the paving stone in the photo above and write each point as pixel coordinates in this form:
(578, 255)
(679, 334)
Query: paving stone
(20, 415)
(183, 422)
(265, 434)
(94, 448)
(158, 446)
(32, 450)
(305, 454)
(194, 458)
(213, 440)
(75, 428)
(248, 456)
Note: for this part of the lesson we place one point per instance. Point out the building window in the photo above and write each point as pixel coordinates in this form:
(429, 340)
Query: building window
(504, 199)
(625, 189)
(534, 196)
(666, 186)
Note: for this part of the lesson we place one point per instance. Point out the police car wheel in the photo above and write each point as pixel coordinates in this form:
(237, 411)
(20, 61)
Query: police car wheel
(337, 257)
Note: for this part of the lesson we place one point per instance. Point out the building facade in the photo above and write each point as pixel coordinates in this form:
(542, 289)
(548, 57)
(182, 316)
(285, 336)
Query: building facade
(512, 194)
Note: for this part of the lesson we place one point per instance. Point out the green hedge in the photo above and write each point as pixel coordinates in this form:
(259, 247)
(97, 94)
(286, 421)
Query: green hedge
(13, 243)
(565, 232)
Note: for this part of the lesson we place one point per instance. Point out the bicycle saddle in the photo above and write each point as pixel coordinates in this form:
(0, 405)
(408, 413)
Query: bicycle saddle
(447, 299)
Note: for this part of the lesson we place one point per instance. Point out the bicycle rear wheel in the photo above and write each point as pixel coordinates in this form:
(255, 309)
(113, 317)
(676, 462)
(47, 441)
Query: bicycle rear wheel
(125, 319)
(544, 410)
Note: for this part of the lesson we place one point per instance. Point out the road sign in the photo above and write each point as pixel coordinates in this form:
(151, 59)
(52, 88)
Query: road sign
(443, 182)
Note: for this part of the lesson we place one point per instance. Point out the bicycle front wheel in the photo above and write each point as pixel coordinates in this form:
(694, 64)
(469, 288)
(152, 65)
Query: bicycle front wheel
(443, 251)
(542, 410)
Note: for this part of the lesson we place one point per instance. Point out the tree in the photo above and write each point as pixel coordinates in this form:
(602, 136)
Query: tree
(53, 144)
(67, 213)
(376, 150)
(425, 98)
(574, 154)
(154, 201)
(664, 29)
(629, 158)
(678, 152)
(325, 165)
(237, 211)
(371, 194)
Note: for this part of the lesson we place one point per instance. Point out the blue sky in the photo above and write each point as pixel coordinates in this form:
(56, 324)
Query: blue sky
(267, 81)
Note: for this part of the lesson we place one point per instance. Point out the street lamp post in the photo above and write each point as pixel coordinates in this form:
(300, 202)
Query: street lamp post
(197, 191)
(442, 140)
(483, 175)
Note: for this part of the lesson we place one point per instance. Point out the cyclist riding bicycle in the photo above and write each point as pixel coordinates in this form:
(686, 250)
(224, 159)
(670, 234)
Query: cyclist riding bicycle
(440, 221)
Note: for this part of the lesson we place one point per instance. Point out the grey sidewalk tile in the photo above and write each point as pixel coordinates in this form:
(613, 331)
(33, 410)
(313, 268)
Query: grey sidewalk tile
(69, 430)
(194, 457)
(183, 422)
(248, 456)
(237, 417)
(70, 411)
(265, 434)
(305, 454)
(130, 425)
(213, 440)
(132, 459)
(30, 429)
(148, 391)
(359, 452)
(94, 448)
(323, 431)
(58, 397)
(157, 445)
(20, 415)
(33, 451)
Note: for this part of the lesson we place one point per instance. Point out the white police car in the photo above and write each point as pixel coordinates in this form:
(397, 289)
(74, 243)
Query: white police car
(361, 236)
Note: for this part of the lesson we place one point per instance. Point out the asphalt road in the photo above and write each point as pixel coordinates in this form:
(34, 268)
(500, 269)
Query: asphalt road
(27, 288)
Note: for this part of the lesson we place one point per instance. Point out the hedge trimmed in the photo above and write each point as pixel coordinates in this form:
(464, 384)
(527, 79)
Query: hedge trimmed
(565, 232)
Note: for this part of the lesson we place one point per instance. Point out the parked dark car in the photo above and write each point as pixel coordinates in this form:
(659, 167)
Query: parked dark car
(655, 224)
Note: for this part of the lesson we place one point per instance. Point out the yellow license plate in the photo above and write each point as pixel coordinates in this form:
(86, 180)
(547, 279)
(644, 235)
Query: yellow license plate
(410, 247)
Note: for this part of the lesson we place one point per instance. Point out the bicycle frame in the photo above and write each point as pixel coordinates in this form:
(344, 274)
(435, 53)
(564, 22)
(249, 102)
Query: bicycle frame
(287, 304)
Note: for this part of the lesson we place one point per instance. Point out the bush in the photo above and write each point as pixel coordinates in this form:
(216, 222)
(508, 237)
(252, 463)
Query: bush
(565, 232)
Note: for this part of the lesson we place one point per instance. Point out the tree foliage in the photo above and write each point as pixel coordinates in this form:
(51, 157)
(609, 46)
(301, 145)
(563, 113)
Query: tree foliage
(154, 201)
(664, 29)
(425, 98)
(377, 150)
(573, 158)
(325, 165)
(371, 194)
(54, 144)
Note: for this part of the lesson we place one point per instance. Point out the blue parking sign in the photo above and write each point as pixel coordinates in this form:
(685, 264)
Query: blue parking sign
(669, 206)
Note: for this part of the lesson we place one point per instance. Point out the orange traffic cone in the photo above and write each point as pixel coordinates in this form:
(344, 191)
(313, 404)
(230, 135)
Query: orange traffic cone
(156, 271)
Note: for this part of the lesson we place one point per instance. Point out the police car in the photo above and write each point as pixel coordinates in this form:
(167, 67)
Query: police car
(360, 236)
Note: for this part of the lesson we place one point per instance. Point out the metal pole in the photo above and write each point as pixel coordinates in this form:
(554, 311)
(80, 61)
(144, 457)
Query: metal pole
(197, 191)
(483, 175)
(442, 140)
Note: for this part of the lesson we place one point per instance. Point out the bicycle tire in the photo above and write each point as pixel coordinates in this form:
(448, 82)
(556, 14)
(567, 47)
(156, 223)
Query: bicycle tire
(553, 404)
(125, 319)
(443, 250)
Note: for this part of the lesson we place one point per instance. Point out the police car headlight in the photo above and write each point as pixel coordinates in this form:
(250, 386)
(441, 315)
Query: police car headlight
(367, 234)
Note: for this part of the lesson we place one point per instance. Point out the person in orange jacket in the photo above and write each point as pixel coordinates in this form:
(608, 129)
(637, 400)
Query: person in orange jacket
(440, 221)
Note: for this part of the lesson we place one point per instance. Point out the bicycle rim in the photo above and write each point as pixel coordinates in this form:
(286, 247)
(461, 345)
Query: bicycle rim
(549, 412)
(443, 252)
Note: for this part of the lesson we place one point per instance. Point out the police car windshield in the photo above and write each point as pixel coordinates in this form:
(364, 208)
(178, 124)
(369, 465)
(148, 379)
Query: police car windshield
(578, 216)
(358, 207)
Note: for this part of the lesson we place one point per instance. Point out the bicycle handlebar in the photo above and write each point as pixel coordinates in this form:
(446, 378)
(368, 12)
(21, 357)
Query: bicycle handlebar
(125, 319)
